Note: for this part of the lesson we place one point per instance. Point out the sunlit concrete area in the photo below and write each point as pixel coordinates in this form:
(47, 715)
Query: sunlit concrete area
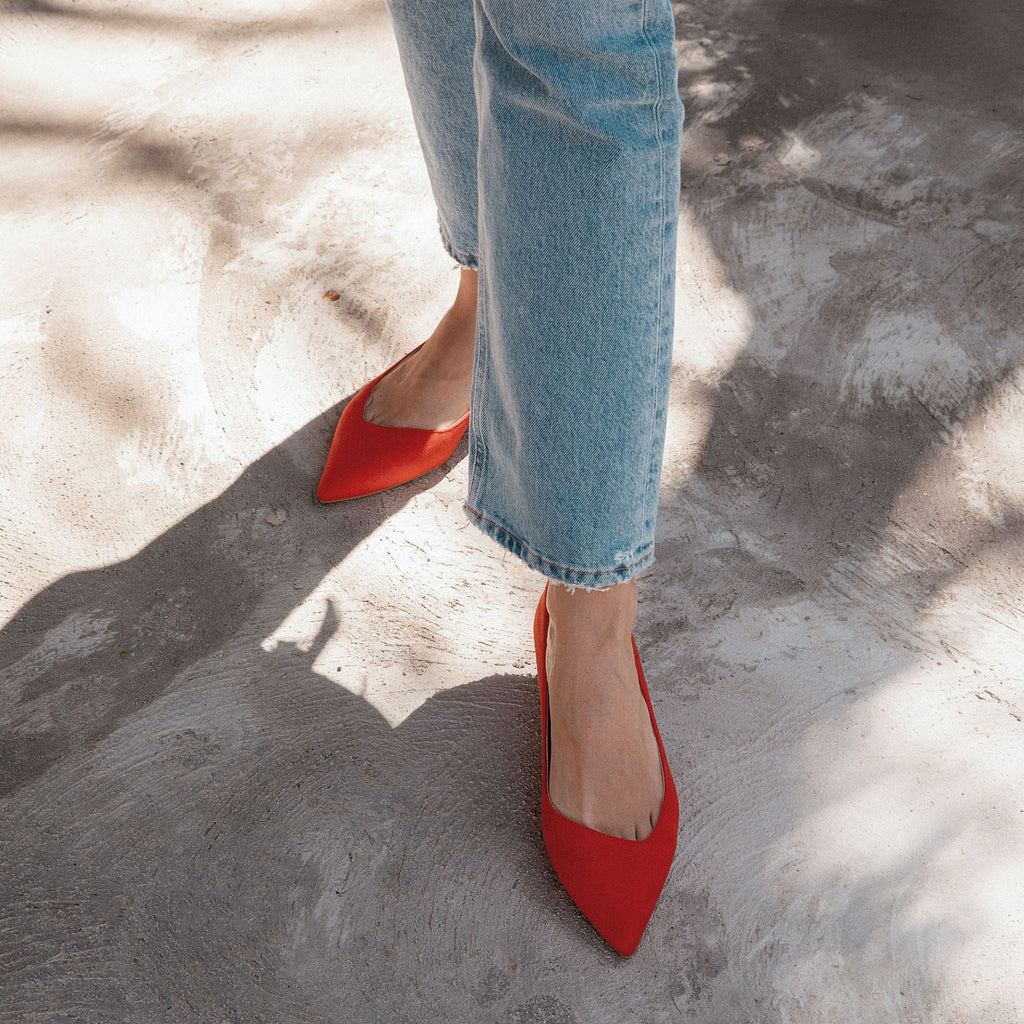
(264, 760)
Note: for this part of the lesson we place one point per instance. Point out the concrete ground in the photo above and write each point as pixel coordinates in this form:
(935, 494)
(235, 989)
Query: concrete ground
(266, 761)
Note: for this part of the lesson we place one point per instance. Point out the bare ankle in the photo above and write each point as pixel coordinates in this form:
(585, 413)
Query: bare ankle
(609, 612)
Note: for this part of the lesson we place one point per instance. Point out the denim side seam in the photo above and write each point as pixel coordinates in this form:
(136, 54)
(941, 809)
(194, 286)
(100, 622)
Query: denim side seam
(464, 259)
(654, 466)
(585, 579)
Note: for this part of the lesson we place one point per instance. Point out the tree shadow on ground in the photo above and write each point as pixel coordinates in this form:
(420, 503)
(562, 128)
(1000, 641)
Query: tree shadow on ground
(804, 561)
(99, 646)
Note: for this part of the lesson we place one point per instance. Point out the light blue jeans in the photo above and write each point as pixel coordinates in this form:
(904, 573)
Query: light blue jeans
(551, 131)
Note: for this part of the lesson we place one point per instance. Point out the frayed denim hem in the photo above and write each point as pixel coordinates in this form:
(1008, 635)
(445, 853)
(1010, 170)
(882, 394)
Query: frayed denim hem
(464, 259)
(600, 579)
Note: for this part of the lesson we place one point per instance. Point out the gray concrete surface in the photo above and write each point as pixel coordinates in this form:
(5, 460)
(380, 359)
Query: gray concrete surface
(265, 761)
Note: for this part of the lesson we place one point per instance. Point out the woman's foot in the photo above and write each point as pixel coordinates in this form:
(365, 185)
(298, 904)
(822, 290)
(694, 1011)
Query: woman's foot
(430, 389)
(604, 770)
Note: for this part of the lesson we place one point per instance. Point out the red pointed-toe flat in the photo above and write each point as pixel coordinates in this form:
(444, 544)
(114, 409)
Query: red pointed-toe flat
(615, 882)
(366, 458)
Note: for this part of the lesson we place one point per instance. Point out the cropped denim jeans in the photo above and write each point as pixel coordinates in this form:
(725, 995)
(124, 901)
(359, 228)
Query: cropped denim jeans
(551, 131)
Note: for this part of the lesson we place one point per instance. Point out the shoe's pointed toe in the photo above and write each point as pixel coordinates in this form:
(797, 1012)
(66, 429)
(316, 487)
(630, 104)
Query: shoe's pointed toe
(366, 458)
(615, 882)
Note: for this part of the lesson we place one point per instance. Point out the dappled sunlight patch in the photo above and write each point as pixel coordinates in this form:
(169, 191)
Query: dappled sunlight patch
(713, 323)
(858, 141)
(900, 354)
(104, 95)
(411, 612)
(957, 526)
(714, 319)
(988, 447)
(93, 77)
(691, 411)
(798, 156)
(196, 174)
(912, 820)
(313, 352)
(850, 778)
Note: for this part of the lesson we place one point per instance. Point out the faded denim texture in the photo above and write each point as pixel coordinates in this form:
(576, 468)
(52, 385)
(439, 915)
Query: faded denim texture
(551, 131)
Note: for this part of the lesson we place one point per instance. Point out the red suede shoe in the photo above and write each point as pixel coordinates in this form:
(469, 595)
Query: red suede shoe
(615, 882)
(366, 458)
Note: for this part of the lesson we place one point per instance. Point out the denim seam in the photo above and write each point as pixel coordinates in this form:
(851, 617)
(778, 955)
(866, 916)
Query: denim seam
(659, 320)
(477, 444)
(642, 560)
